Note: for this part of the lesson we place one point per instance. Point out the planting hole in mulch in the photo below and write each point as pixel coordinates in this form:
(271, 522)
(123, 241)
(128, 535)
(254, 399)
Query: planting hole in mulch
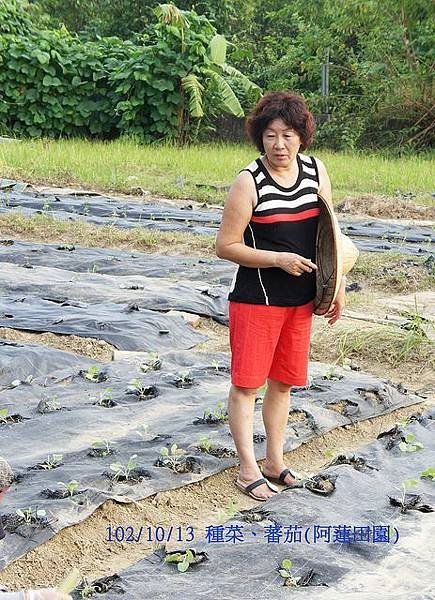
(189, 556)
(99, 586)
(60, 494)
(323, 485)
(219, 451)
(179, 463)
(141, 391)
(255, 515)
(11, 419)
(25, 525)
(393, 435)
(48, 405)
(307, 579)
(375, 395)
(134, 476)
(410, 502)
(356, 462)
(347, 408)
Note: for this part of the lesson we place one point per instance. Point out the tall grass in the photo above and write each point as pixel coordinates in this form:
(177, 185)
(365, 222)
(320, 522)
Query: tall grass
(124, 166)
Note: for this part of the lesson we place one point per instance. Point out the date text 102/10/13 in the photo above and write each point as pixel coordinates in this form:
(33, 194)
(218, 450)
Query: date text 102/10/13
(150, 534)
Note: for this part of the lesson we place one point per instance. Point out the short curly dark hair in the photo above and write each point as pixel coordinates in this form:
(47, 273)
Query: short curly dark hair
(287, 106)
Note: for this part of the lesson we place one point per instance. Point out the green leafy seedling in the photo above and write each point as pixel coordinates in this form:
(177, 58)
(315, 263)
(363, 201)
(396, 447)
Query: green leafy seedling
(429, 473)
(217, 414)
(71, 486)
(183, 560)
(204, 443)
(29, 515)
(410, 445)
(122, 470)
(172, 457)
(4, 415)
(404, 487)
(53, 461)
(92, 373)
(285, 571)
(103, 446)
(216, 364)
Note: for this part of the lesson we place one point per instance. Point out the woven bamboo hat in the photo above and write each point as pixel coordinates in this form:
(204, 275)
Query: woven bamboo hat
(336, 254)
(6, 475)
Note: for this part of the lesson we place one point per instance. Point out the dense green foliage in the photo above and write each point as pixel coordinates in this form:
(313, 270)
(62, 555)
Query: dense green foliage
(381, 71)
(381, 57)
(53, 83)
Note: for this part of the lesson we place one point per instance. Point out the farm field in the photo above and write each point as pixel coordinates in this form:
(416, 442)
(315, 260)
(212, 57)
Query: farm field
(114, 376)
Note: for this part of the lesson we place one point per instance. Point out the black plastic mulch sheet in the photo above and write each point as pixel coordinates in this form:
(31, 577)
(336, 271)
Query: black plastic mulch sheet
(343, 562)
(153, 293)
(379, 235)
(115, 262)
(126, 327)
(53, 402)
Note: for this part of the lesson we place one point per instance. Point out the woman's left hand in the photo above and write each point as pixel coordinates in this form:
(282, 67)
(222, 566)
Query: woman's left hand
(337, 307)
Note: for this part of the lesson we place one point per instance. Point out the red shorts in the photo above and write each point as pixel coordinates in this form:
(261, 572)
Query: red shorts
(269, 342)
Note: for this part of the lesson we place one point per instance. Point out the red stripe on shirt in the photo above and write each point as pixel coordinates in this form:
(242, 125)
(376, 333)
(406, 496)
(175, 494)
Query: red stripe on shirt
(305, 214)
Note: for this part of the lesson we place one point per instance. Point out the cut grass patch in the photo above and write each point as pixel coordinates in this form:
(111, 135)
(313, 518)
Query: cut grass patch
(198, 171)
(46, 229)
(386, 207)
(383, 344)
(391, 272)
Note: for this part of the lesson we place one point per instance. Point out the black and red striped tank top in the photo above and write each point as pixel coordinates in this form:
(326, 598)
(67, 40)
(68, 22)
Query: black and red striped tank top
(284, 220)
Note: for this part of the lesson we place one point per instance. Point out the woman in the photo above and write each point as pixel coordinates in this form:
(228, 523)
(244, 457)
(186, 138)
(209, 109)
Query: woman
(268, 228)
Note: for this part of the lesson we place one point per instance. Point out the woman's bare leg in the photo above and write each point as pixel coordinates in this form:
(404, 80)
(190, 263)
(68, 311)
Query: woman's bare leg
(276, 405)
(241, 416)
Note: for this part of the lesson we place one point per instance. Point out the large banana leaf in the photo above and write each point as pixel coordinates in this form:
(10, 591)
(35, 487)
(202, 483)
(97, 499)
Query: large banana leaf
(245, 82)
(227, 97)
(194, 90)
(218, 49)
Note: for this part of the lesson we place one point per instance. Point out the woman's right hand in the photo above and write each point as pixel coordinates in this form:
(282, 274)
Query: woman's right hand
(294, 263)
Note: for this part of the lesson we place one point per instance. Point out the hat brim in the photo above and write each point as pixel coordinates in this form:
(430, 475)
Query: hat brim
(328, 258)
(336, 254)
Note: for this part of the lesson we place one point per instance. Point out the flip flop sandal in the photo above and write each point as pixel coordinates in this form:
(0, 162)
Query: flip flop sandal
(248, 489)
(281, 479)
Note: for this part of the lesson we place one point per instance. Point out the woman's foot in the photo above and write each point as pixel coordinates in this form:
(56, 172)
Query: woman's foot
(274, 471)
(262, 491)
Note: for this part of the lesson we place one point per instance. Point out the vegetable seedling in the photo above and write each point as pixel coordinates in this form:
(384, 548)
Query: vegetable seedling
(71, 486)
(219, 414)
(141, 389)
(104, 447)
(29, 515)
(53, 461)
(184, 378)
(183, 559)
(4, 415)
(122, 470)
(94, 374)
(429, 473)
(204, 443)
(216, 364)
(105, 399)
(406, 485)
(152, 362)
(410, 445)
(171, 458)
(285, 571)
